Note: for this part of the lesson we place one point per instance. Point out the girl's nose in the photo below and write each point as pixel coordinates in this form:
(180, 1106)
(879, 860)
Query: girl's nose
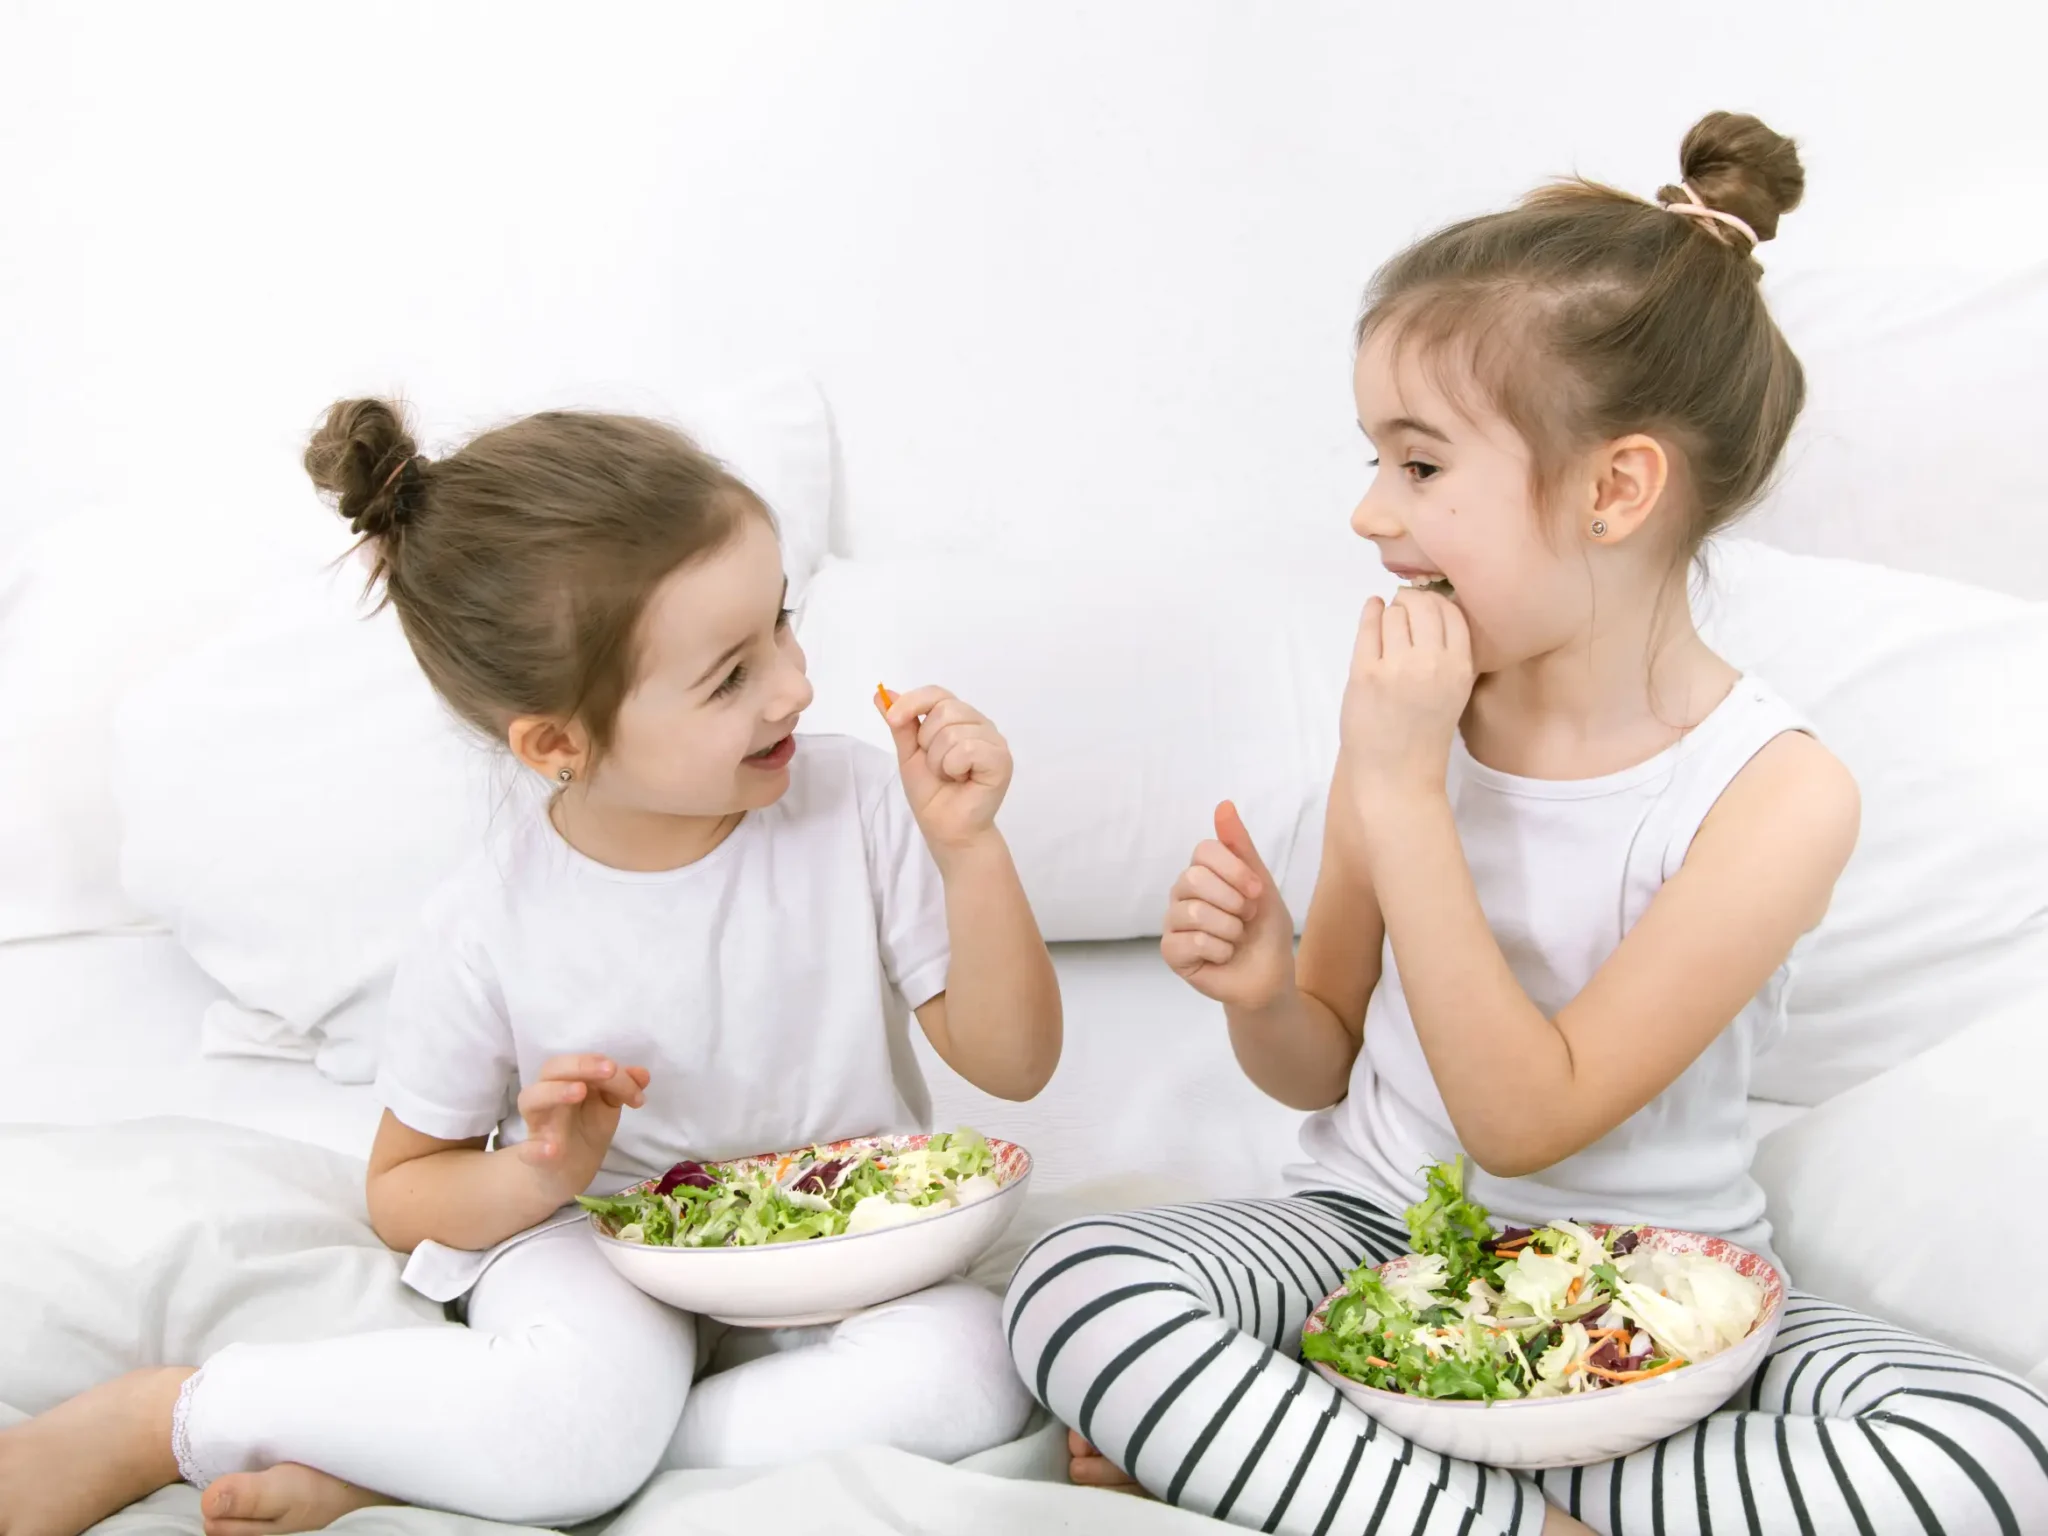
(1372, 519)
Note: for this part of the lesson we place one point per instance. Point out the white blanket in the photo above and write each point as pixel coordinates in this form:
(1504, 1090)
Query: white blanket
(159, 1241)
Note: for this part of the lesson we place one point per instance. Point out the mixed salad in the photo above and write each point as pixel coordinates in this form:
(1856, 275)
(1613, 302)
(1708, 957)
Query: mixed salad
(813, 1193)
(1480, 1314)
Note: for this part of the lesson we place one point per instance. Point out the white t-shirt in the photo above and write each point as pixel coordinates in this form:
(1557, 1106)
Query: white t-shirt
(1563, 870)
(766, 988)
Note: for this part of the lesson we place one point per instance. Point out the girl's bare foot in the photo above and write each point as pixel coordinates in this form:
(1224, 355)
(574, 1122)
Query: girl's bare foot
(287, 1497)
(1088, 1468)
(70, 1468)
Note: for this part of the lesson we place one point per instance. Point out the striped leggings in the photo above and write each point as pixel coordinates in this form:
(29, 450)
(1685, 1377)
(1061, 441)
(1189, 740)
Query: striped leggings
(1167, 1338)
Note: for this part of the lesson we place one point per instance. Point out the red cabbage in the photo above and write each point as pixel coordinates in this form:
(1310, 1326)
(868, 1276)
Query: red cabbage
(696, 1175)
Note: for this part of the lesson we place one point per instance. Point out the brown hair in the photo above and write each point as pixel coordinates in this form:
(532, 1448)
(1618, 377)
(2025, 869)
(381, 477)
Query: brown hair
(1585, 314)
(520, 564)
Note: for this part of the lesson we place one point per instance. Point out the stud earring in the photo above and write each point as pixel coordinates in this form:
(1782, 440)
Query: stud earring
(1599, 529)
(566, 775)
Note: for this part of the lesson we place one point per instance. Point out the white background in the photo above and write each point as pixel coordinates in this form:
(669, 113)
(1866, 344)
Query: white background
(1070, 274)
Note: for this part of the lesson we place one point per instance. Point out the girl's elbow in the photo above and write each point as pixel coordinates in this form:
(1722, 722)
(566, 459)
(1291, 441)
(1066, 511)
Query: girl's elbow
(1509, 1153)
(387, 1215)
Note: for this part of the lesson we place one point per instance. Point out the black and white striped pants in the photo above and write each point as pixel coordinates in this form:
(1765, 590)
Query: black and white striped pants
(1167, 1338)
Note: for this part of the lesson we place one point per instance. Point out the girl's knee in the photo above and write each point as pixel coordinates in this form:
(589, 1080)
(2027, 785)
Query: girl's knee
(953, 1389)
(586, 1429)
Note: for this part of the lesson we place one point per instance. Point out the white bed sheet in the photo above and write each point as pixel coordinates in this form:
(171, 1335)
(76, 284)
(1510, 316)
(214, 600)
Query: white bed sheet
(105, 1028)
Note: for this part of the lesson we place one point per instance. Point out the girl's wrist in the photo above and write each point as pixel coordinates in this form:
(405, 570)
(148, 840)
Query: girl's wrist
(967, 858)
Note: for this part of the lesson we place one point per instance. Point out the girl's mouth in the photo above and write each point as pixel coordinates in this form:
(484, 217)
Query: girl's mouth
(1437, 584)
(777, 756)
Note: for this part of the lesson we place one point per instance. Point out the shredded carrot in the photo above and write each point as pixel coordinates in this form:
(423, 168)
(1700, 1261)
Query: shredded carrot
(1606, 1333)
(1625, 1376)
(888, 699)
(1385, 1365)
(1572, 1293)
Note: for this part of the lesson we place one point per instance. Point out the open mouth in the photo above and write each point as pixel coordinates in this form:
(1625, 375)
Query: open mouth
(777, 756)
(1437, 584)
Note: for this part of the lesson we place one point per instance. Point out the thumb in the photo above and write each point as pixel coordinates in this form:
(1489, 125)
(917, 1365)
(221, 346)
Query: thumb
(1231, 833)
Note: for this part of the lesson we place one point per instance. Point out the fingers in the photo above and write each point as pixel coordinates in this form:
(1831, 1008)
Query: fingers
(1187, 950)
(1192, 916)
(1200, 883)
(963, 749)
(626, 1091)
(542, 1097)
(1367, 647)
(1232, 870)
(1396, 635)
(1424, 613)
(911, 707)
(1457, 634)
(584, 1069)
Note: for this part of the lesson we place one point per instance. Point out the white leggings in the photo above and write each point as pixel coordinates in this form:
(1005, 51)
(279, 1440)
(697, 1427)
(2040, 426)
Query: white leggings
(568, 1389)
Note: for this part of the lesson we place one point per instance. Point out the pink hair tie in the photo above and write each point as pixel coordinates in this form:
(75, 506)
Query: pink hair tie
(1696, 208)
(392, 478)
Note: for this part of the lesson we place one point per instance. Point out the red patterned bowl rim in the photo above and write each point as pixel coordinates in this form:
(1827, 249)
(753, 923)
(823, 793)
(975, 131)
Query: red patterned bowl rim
(1012, 1171)
(1668, 1239)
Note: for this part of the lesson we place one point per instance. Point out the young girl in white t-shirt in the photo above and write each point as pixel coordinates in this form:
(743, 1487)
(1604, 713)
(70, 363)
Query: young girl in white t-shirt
(707, 941)
(1570, 853)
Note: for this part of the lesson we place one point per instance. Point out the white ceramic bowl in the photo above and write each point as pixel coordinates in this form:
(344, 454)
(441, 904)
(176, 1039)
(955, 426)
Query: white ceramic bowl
(824, 1279)
(1529, 1435)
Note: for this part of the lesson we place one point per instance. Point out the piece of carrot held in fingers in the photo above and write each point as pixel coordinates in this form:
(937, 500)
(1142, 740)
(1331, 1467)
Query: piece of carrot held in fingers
(884, 697)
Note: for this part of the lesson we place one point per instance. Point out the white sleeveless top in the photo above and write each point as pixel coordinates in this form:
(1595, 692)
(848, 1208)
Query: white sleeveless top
(1564, 868)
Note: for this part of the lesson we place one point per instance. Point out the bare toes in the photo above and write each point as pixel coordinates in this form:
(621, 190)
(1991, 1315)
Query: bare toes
(284, 1498)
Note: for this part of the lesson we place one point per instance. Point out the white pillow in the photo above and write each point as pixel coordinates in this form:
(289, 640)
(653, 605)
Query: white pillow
(1923, 386)
(1932, 694)
(1135, 694)
(292, 792)
(89, 608)
(1910, 1196)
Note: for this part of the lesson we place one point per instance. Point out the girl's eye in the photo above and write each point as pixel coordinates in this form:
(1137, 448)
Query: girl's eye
(782, 619)
(1372, 463)
(732, 682)
(1420, 470)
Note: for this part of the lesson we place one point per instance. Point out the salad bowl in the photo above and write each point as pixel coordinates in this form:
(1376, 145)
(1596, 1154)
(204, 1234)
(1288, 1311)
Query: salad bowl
(791, 1239)
(1631, 1408)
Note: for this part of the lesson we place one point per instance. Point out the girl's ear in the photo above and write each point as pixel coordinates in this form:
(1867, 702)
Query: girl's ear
(549, 747)
(1630, 475)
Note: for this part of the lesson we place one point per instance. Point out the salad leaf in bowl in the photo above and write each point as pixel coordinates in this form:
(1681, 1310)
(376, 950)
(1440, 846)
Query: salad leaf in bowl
(1603, 1338)
(815, 1234)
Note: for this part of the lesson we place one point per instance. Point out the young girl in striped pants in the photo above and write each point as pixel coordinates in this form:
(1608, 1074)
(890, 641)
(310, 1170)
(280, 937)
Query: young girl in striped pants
(1570, 854)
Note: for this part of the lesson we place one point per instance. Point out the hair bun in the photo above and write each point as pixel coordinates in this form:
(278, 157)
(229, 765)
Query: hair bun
(364, 456)
(1740, 166)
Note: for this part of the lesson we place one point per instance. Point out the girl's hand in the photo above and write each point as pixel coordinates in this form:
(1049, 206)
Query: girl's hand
(955, 765)
(1228, 934)
(1411, 676)
(572, 1112)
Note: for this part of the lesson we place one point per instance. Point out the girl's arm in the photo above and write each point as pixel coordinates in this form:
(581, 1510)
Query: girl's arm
(422, 1188)
(1525, 1091)
(998, 1022)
